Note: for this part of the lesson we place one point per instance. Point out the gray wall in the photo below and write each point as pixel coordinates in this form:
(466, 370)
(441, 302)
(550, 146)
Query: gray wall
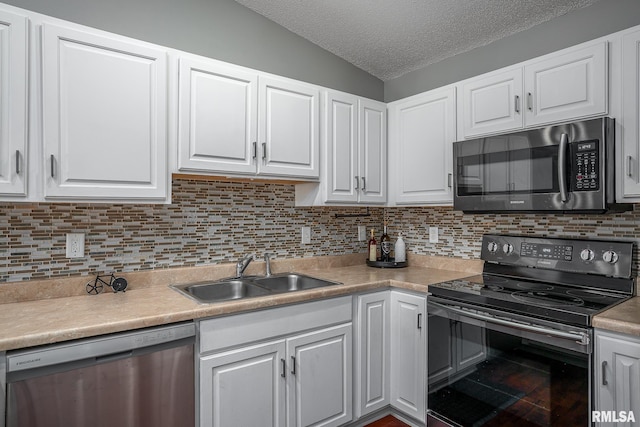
(221, 29)
(602, 18)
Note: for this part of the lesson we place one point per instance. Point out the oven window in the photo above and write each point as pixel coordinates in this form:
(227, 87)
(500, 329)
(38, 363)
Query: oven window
(508, 170)
(482, 377)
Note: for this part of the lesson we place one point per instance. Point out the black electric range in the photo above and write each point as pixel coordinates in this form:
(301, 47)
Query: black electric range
(563, 280)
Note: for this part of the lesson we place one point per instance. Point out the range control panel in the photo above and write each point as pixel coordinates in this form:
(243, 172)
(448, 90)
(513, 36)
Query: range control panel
(607, 258)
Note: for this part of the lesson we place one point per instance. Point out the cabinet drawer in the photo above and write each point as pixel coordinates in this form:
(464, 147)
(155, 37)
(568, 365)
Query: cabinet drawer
(230, 331)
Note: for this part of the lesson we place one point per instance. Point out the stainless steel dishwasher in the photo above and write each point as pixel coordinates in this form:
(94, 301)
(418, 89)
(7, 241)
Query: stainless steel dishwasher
(141, 378)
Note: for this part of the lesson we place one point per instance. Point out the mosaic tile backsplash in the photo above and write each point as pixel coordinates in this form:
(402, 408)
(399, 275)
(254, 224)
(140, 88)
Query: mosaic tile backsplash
(214, 221)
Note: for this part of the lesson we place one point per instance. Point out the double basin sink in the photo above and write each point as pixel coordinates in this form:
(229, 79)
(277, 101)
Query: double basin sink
(250, 287)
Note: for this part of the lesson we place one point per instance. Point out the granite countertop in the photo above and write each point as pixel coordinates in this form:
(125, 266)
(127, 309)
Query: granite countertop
(46, 312)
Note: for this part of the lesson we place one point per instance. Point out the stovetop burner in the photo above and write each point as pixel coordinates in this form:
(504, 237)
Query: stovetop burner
(534, 286)
(547, 299)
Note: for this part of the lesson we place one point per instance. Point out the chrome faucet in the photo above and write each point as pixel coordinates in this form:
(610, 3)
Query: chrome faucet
(242, 265)
(267, 260)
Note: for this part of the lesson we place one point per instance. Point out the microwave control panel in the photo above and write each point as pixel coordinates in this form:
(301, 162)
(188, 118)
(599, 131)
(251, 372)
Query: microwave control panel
(585, 163)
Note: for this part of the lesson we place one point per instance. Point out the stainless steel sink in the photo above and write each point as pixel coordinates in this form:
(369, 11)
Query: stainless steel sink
(290, 282)
(250, 287)
(222, 291)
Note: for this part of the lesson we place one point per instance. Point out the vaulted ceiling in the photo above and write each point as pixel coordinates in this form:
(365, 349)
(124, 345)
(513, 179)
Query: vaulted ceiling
(389, 38)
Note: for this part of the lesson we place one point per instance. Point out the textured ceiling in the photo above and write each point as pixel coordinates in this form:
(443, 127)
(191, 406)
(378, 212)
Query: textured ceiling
(389, 38)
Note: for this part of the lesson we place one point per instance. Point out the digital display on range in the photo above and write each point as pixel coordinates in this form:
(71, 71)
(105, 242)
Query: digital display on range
(556, 252)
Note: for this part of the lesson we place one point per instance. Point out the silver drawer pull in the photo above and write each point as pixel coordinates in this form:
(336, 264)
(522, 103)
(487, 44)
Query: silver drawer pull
(517, 102)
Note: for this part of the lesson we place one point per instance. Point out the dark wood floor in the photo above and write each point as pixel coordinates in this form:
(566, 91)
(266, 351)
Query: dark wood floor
(388, 421)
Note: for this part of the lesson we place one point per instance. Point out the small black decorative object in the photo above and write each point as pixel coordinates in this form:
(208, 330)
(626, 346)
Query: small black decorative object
(387, 264)
(118, 284)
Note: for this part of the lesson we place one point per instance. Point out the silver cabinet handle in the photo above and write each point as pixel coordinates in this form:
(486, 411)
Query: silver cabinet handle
(255, 149)
(604, 373)
(283, 374)
(517, 102)
(264, 152)
(293, 365)
(357, 182)
(529, 101)
(419, 320)
(364, 183)
(450, 180)
(17, 162)
(53, 162)
(629, 166)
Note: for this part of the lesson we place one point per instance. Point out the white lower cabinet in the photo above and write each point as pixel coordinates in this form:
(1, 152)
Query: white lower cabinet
(617, 378)
(372, 352)
(262, 369)
(408, 354)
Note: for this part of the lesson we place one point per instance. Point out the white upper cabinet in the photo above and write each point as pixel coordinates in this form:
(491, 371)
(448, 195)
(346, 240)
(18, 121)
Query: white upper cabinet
(13, 104)
(218, 117)
(492, 103)
(104, 116)
(288, 128)
(567, 85)
(234, 120)
(372, 149)
(629, 172)
(423, 129)
(355, 144)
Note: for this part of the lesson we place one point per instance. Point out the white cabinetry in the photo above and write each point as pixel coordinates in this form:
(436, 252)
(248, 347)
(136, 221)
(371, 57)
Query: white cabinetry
(408, 354)
(629, 173)
(104, 116)
(617, 375)
(261, 369)
(422, 130)
(356, 149)
(567, 85)
(372, 352)
(13, 109)
(236, 121)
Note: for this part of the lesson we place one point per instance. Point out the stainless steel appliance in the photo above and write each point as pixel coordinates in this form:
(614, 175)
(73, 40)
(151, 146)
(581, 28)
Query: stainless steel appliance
(513, 346)
(142, 378)
(568, 167)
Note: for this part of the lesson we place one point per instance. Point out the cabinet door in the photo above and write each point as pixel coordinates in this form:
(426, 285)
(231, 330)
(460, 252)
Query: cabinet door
(104, 116)
(568, 86)
(288, 128)
(372, 354)
(373, 151)
(408, 354)
(629, 173)
(218, 118)
(492, 103)
(244, 387)
(320, 378)
(13, 107)
(342, 182)
(423, 138)
(618, 375)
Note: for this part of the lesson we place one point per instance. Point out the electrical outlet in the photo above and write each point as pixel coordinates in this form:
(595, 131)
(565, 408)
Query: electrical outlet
(75, 245)
(306, 235)
(362, 233)
(433, 234)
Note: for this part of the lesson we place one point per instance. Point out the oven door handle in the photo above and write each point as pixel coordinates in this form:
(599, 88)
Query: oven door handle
(562, 173)
(580, 337)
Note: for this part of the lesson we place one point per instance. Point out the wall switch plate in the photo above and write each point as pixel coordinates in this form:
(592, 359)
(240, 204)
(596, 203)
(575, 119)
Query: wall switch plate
(433, 234)
(362, 233)
(306, 235)
(75, 245)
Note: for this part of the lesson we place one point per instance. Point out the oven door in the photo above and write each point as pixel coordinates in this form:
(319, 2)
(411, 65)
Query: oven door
(488, 368)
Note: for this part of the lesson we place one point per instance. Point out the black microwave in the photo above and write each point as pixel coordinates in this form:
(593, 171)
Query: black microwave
(563, 168)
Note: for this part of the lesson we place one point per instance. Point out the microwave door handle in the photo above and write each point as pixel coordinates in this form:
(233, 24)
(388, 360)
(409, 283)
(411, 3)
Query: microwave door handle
(562, 173)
